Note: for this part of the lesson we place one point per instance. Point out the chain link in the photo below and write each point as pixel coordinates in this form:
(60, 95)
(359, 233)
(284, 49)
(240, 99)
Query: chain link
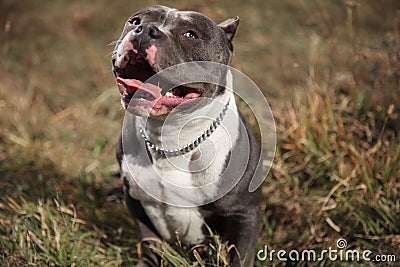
(190, 146)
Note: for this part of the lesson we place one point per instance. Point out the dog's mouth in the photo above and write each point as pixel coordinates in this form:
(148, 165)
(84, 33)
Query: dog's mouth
(139, 95)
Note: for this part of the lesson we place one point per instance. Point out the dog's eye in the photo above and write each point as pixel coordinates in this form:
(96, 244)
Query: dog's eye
(190, 35)
(134, 21)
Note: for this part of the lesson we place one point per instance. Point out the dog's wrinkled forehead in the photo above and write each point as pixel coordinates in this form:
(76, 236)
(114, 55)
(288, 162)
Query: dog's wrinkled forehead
(169, 19)
(155, 14)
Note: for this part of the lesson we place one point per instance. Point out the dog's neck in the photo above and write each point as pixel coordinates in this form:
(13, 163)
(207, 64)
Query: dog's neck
(179, 129)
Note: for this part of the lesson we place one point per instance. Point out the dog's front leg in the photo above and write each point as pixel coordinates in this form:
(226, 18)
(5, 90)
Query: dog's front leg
(146, 234)
(243, 233)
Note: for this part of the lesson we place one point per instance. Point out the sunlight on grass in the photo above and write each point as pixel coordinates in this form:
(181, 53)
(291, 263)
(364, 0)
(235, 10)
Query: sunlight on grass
(51, 234)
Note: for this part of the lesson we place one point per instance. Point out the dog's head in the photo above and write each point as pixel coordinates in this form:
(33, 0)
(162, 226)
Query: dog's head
(159, 37)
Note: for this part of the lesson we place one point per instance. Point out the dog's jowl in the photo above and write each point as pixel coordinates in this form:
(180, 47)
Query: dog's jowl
(186, 153)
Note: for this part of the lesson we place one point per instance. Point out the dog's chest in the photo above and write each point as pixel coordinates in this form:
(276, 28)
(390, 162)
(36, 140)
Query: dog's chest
(187, 182)
(172, 222)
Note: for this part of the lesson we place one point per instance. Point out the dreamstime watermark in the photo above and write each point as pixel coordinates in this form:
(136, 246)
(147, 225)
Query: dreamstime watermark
(338, 253)
(184, 186)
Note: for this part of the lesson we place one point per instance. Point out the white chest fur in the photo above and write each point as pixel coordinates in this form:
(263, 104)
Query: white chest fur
(184, 182)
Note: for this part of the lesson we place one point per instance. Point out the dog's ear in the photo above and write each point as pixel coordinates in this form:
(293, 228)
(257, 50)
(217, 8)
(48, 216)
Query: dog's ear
(230, 26)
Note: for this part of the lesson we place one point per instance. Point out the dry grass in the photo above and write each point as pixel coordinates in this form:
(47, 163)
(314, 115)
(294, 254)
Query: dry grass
(330, 70)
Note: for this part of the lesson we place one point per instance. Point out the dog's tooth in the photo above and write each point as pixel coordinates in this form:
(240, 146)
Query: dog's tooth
(169, 94)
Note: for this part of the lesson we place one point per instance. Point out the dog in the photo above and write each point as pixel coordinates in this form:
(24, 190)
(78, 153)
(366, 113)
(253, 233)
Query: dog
(221, 155)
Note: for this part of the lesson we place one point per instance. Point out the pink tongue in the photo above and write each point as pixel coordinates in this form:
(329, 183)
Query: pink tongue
(192, 95)
(134, 84)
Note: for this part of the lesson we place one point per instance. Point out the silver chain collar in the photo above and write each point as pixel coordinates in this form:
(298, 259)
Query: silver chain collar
(190, 146)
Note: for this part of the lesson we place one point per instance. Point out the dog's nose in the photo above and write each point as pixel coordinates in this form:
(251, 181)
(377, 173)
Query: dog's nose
(138, 29)
(148, 30)
(154, 32)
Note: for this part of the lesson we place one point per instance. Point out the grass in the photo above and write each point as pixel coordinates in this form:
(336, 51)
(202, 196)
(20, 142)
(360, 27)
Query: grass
(330, 70)
(213, 253)
(49, 233)
(336, 183)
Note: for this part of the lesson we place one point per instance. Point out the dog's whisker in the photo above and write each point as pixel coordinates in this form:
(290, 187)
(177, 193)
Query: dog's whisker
(111, 53)
(113, 43)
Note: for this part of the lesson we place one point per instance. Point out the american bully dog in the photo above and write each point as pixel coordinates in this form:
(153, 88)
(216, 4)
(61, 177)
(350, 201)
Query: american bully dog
(191, 174)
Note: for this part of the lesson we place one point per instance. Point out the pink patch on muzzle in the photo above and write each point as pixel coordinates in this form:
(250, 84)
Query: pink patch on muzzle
(151, 54)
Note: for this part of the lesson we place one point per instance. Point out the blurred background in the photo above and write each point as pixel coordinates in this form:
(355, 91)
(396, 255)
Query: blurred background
(329, 69)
